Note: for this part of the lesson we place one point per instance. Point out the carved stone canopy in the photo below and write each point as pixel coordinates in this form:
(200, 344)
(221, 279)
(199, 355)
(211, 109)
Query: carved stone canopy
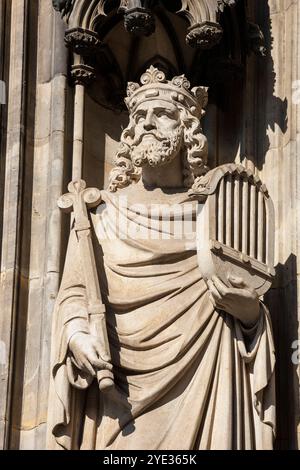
(204, 32)
(203, 16)
(207, 40)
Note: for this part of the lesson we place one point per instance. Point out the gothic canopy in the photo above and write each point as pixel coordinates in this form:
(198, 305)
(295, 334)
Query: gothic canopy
(207, 40)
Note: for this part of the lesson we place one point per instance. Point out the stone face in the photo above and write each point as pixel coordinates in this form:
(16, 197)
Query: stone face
(254, 122)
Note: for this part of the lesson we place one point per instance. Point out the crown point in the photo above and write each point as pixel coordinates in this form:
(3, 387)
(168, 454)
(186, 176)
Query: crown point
(131, 88)
(152, 75)
(154, 84)
(181, 82)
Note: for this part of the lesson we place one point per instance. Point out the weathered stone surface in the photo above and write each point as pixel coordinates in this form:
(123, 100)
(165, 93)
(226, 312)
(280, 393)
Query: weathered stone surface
(257, 124)
(278, 159)
(11, 210)
(157, 340)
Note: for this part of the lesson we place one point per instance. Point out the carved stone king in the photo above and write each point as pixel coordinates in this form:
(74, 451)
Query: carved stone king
(149, 227)
(159, 303)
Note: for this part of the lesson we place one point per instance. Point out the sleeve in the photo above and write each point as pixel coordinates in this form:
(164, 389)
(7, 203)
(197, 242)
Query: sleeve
(248, 338)
(256, 348)
(71, 313)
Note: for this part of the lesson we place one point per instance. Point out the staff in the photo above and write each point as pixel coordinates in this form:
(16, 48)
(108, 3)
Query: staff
(78, 200)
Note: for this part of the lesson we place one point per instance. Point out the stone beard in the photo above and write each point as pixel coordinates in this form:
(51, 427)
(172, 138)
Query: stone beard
(189, 373)
(156, 149)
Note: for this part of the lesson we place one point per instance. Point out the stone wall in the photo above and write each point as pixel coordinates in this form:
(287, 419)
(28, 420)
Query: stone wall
(277, 157)
(34, 153)
(258, 120)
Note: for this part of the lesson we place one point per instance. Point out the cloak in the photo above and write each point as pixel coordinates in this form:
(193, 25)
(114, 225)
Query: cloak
(187, 376)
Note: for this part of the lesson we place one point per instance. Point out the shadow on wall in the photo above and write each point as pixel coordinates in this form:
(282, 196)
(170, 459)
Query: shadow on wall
(282, 302)
(247, 105)
(271, 109)
(103, 127)
(282, 298)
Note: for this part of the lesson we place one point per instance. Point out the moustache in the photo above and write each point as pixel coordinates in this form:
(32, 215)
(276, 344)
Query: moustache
(156, 135)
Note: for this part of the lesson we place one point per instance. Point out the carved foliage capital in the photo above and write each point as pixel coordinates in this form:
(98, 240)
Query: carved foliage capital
(139, 21)
(83, 74)
(204, 35)
(82, 41)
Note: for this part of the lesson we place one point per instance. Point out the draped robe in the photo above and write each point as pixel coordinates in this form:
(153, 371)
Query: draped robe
(187, 376)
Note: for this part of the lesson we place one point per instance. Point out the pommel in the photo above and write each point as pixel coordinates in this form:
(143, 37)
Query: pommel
(79, 193)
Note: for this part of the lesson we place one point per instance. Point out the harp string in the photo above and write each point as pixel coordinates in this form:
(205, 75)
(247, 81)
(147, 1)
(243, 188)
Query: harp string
(242, 217)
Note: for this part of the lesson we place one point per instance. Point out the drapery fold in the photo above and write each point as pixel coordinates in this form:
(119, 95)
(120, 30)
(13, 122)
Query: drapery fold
(187, 376)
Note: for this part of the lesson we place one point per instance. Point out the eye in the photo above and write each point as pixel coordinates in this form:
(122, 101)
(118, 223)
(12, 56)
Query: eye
(139, 118)
(163, 114)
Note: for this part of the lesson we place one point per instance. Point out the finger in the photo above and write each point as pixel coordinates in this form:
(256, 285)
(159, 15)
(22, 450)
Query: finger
(102, 365)
(220, 286)
(217, 305)
(87, 367)
(236, 281)
(98, 363)
(224, 307)
(214, 292)
(213, 301)
(102, 354)
(77, 364)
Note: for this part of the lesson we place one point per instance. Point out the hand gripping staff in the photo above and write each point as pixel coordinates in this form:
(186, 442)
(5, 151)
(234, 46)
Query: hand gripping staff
(78, 200)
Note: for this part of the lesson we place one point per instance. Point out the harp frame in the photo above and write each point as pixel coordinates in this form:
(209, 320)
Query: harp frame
(235, 236)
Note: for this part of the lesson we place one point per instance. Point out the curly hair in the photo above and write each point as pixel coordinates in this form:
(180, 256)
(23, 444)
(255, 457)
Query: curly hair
(194, 155)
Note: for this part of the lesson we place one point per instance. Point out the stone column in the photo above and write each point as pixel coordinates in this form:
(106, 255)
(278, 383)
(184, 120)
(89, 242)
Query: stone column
(4, 20)
(44, 226)
(33, 169)
(14, 153)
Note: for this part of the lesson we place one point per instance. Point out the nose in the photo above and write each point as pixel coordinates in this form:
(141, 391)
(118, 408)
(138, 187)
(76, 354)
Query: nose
(149, 123)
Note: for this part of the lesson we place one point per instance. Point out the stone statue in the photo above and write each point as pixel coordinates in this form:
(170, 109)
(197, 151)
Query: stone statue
(192, 362)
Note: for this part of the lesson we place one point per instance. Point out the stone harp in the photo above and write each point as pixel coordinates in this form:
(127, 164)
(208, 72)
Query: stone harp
(235, 227)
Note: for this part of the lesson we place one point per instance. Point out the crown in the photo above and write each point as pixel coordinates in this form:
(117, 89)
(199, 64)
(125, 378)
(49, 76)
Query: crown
(155, 86)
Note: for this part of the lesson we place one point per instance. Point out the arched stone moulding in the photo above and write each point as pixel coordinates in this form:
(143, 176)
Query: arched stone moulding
(221, 23)
(204, 32)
